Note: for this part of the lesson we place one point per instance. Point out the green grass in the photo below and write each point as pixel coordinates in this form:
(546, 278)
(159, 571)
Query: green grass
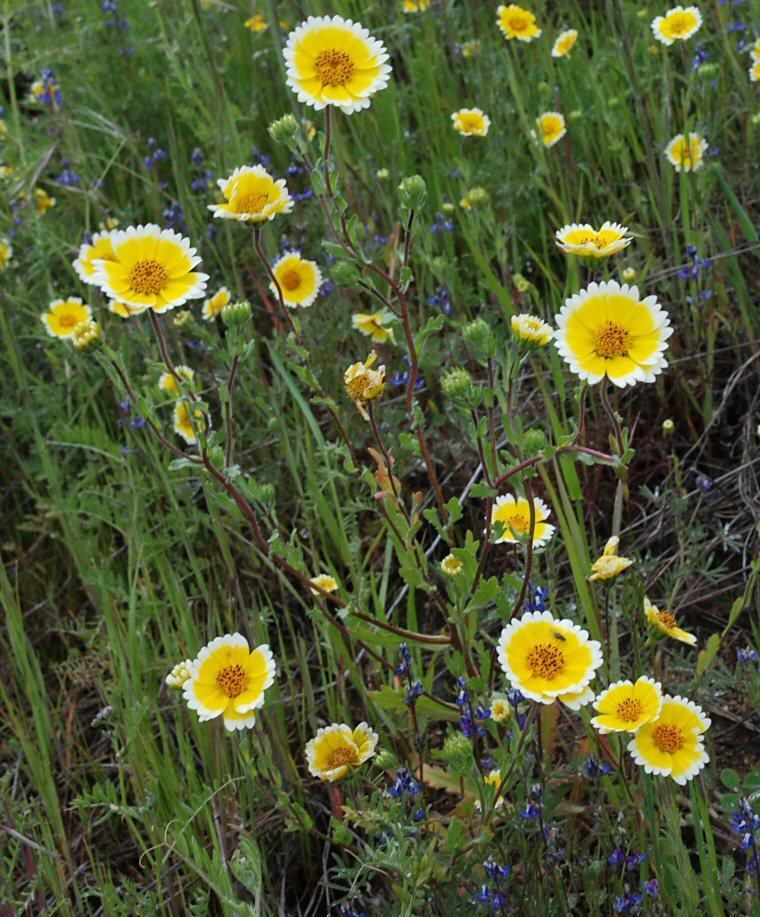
(118, 561)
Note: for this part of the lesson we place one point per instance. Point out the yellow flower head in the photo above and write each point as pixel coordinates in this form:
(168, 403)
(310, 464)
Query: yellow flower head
(363, 383)
(565, 43)
(98, 249)
(228, 679)
(373, 325)
(678, 24)
(309, 128)
(582, 239)
(673, 744)
(252, 196)
(532, 330)
(514, 514)
(183, 425)
(754, 71)
(337, 748)
(625, 706)
(167, 382)
(43, 201)
(492, 778)
(299, 280)
(471, 122)
(754, 51)
(544, 658)
(501, 709)
(415, 6)
(451, 566)
(6, 253)
(151, 268)
(64, 315)
(551, 125)
(214, 305)
(471, 48)
(686, 155)
(324, 581)
(123, 310)
(665, 622)
(256, 23)
(607, 330)
(577, 699)
(334, 61)
(515, 22)
(179, 674)
(609, 564)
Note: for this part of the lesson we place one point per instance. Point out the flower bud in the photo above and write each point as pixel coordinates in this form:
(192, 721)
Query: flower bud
(182, 318)
(87, 336)
(628, 275)
(457, 385)
(236, 313)
(522, 285)
(479, 338)
(413, 192)
(667, 427)
(382, 174)
(284, 130)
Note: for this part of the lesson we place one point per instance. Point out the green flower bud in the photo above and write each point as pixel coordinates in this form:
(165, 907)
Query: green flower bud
(479, 338)
(457, 751)
(521, 283)
(477, 195)
(457, 385)
(413, 192)
(345, 273)
(87, 336)
(284, 130)
(534, 441)
(236, 313)
(385, 759)
(667, 427)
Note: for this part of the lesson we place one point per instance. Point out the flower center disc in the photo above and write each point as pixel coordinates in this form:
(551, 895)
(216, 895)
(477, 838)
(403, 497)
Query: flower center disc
(333, 67)
(612, 340)
(518, 23)
(518, 522)
(668, 738)
(357, 386)
(68, 321)
(254, 202)
(232, 680)
(343, 755)
(630, 709)
(679, 24)
(667, 619)
(148, 276)
(291, 280)
(546, 661)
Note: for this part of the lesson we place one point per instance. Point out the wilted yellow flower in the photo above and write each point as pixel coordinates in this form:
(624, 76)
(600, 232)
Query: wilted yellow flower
(298, 278)
(214, 305)
(501, 709)
(373, 324)
(309, 128)
(493, 778)
(516, 22)
(665, 622)
(64, 315)
(364, 384)
(324, 581)
(583, 239)
(334, 61)
(673, 744)
(252, 195)
(551, 124)
(228, 679)
(451, 566)
(471, 48)
(686, 155)
(625, 706)
(677, 24)
(514, 514)
(607, 330)
(415, 6)
(43, 201)
(337, 748)
(167, 382)
(532, 330)
(565, 43)
(6, 253)
(179, 674)
(471, 122)
(609, 564)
